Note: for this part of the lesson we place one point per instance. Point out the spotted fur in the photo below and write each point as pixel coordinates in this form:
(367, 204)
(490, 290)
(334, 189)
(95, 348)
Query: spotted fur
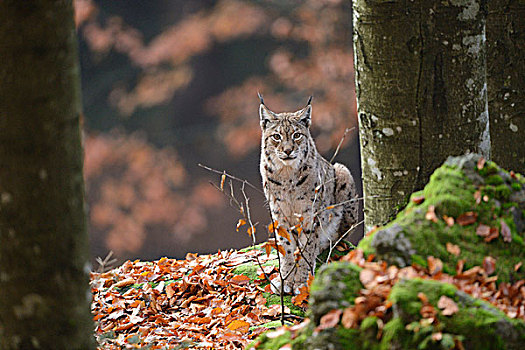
(300, 185)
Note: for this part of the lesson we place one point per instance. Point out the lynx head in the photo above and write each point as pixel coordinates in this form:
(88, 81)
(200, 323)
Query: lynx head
(286, 138)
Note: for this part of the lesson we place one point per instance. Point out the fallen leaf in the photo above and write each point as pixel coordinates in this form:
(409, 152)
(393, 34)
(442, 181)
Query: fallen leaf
(517, 266)
(477, 196)
(301, 297)
(427, 311)
(453, 249)
(273, 226)
(366, 276)
(467, 218)
(422, 296)
(449, 220)
(483, 230)
(281, 231)
(481, 163)
(489, 265)
(124, 283)
(330, 320)
(350, 318)
(494, 233)
(223, 178)
(240, 279)
(251, 230)
(437, 336)
(418, 199)
(435, 265)
(505, 232)
(239, 326)
(447, 305)
(240, 223)
(459, 266)
(431, 214)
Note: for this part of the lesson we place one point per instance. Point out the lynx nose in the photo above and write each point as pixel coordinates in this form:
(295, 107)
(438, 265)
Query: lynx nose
(288, 151)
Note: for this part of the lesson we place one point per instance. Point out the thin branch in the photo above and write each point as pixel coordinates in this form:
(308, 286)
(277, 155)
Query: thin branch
(347, 130)
(231, 177)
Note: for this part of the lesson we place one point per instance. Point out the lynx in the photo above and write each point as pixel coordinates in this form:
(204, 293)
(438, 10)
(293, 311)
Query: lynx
(313, 200)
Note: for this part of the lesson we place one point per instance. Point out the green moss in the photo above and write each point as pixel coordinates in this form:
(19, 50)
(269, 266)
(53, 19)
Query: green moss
(491, 327)
(271, 325)
(503, 192)
(335, 286)
(516, 186)
(250, 269)
(366, 245)
(490, 168)
(264, 342)
(272, 299)
(494, 180)
(452, 193)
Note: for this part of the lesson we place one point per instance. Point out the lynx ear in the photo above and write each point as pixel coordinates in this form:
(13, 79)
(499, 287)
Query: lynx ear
(265, 114)
(305, 116)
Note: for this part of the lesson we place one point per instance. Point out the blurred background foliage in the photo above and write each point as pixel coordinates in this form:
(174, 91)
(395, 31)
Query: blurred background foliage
(168, 84)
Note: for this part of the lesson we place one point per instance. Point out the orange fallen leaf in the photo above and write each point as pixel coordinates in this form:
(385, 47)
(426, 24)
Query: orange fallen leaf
(435, 265)
(489, 265)
(240, 279)
(483, 230)
(281, 231)
(240, 223)
(481, 163)
(467, 218)
(431, 214)
(422, 296)
(449, 220)
(124, 283)
(239, 326)
(447, 305)
(330, 320)
(251, 230)
(418, 199)
(494, 233)
(273, 226)
(301, 297)
(350, 318)
(453, 249)
(223, 178)
(366, 276)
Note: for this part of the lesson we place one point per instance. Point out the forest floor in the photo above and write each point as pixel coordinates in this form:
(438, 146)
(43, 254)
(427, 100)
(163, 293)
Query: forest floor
(223, 301)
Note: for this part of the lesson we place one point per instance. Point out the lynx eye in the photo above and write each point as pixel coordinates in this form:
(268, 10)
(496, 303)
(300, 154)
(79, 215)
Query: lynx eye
(276, 137)
(297, 136)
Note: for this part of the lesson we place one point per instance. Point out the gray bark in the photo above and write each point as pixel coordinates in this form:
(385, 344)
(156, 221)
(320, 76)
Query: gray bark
(44, 291)
(421, 93)
(506, 82)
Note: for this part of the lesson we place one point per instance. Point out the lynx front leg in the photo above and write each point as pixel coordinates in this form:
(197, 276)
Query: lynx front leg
(305, 260)
(287, 267)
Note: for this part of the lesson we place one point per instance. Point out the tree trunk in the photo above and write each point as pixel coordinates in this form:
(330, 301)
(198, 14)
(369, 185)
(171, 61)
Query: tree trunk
(44, 291)
(506, 82)
(421, 94)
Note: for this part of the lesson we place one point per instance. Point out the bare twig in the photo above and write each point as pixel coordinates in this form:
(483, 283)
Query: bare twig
(347, 130)
(105, 264)
(231, 177)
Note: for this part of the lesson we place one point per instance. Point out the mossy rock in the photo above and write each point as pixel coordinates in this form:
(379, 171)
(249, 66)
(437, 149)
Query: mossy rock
(335, 286)
(411, 238)
(476, 324)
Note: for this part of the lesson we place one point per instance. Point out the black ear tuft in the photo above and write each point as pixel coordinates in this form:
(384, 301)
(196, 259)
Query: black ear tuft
(309, 100)
(260, 97)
